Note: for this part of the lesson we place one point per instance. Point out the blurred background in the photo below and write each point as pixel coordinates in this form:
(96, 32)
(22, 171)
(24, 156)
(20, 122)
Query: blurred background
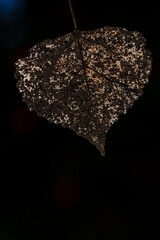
(54, 184)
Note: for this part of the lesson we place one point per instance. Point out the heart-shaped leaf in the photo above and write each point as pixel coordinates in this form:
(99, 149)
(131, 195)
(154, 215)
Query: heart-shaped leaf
(84, 80)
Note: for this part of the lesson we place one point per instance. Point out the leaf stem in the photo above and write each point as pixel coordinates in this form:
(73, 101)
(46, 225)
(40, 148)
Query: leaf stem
(72, 12)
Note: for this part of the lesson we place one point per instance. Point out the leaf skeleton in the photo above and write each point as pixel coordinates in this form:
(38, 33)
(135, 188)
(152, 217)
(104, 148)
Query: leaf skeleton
(85, 79)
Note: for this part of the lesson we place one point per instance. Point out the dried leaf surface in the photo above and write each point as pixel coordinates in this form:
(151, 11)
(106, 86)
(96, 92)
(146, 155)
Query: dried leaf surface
(84, 80)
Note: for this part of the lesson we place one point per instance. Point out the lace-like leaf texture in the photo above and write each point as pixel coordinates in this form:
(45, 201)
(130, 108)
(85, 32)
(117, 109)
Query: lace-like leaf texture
(85, 79)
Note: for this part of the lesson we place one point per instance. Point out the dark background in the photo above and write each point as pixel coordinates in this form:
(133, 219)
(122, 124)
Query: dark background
(54, 184)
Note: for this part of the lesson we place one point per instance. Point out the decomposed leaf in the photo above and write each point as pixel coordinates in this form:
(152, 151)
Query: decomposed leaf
(85, 79)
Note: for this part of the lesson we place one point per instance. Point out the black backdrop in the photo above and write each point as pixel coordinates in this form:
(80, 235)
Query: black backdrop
(56, 185)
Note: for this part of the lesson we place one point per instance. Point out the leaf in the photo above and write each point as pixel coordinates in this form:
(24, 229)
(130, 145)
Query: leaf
(84, 80)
